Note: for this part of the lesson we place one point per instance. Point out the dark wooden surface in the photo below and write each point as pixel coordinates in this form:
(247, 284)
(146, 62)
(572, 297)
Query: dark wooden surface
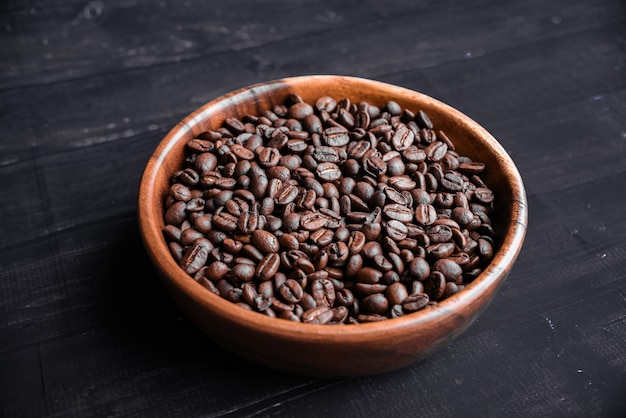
(87, 90)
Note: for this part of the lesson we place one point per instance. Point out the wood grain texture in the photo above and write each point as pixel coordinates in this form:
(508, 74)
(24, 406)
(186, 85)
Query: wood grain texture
(88, 88)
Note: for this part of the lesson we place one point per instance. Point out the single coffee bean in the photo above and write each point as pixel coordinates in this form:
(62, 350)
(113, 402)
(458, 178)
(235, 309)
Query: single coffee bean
(402, 183)
(372, 249)
(483, 195)
(268, 266)
(356, 242)
(435, 285)
(449, 268)
(396, 230)
(425, 214)
(369, 275)
(396, 293)
(217, 270)
(439, 233)
(398, 213)
(440, 250)
(290, 291)
(328, 171)
(265, 241)
(323, 292)
(415, 302)
(375, 303)
(381, 263)
(363, 289)
(338, 253)
(340, 314)
(196, 256)
(313, 221)
(353, 265)
(419, 268)
(336, 136)
(318, 315)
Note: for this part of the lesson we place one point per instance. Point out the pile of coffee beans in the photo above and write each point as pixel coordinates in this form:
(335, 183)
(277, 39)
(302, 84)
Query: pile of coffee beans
(330, 212)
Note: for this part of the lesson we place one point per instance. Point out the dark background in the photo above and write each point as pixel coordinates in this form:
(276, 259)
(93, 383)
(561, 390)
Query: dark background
(88, 89)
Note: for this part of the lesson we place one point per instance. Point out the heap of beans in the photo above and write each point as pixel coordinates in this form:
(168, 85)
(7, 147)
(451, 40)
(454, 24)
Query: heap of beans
(330, 212)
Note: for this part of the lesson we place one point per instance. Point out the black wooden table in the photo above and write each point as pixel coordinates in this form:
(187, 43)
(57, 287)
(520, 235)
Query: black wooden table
(88, 89)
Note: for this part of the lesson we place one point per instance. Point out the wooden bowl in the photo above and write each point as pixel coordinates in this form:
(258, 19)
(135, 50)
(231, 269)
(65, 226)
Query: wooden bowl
(348, 349)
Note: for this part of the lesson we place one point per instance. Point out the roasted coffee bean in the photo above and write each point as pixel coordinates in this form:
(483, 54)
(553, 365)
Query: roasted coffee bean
(265, 241)
(290, 291)
(364, 318)
(249, 293)
(287, 195)
(179, 191)
(353, 265)
(419, 268)
(207, 284)
(305, 264)
(326, 103)
(396, 293)
(189, 235)
(399, 213)
(216, 271)
(439, 233)
(328, 171)
(318, 315)
(228, 291)
(397, 262)
(340, 314)
(338, 253)
(452, 181)
(371, 231)
(449, 268)
(323, 292)
(402, 138)
(471, 167)
(268, 266)
(372, 249)
(375, 303)
(248, 222)
(373, 164)
(425, 214)
(369, 275)
(176, 250)
(288, 242)
(363, 289)
(313, 221)
(485, 249)
(440, 250)
(176, 214)
(356, 242)
(483, 195)
(382, 263)
(436, 150)
(402, 183)
(336, 136)
(172, 233)
(396, 230)
(344, 297)
(343, 234)
(196, 256)
(415, 302)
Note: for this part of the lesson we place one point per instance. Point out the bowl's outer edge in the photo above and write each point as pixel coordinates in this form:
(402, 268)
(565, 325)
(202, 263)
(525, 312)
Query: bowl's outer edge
(312, 346)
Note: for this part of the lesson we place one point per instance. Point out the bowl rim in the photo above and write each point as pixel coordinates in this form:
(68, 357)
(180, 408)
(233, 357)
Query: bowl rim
(154, 242)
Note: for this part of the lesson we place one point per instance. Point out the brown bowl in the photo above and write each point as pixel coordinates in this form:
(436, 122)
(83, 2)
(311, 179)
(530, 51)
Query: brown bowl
(348, 349)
